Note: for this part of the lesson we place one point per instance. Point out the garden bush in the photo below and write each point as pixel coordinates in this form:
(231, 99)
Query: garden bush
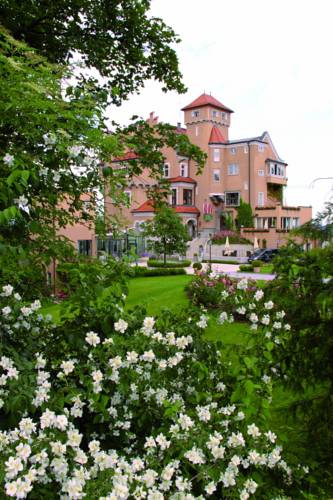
(222, 261)
(142, 412)
(144, 271)
(246, 268)
(197, 266)
(172, 263)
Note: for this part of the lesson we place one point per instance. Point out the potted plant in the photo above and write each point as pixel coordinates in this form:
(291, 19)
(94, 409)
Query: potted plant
(197, 266)
(257, 265)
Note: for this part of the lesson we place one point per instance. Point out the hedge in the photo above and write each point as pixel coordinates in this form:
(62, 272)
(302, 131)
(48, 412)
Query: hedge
(246, 268)
(160, 263)
(215, 261)
(144, 271)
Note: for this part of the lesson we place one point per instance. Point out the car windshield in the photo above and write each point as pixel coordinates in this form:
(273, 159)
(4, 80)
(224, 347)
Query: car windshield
(258, 251)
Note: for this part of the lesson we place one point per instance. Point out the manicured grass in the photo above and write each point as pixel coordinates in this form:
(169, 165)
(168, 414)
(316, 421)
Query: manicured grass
(266, 269)
(156, 292)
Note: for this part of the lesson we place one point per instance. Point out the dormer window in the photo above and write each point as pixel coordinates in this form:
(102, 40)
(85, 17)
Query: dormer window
(195, 113)
(166, 170)
(183, 170)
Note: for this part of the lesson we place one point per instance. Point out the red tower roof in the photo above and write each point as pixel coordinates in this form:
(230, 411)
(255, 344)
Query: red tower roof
(147, 206)
(216, 135)
(206, 100)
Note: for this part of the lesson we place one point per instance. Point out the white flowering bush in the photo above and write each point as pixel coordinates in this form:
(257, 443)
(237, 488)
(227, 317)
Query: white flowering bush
(144, 412)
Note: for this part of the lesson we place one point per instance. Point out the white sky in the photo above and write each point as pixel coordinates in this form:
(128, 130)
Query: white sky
(271, 61)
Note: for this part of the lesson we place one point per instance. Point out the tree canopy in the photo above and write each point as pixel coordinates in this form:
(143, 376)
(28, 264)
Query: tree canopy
(168, 233)
(116, 37)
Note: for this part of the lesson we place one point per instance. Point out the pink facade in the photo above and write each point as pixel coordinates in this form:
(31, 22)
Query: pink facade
(249, 169)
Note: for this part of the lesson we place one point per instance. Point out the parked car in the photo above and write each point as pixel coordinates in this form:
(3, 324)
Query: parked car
(264, 254)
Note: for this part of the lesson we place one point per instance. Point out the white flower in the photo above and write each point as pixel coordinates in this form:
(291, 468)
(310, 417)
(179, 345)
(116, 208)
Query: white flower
(277, 325)
(74, 438)
(265, 319)
(269, 305)
(258, 295)
(22, 201)
(280, 314)
(148, 324)
(162, 441)
(6, 310)
(220, 387)
(8, 159)
(50, 139)
(121, 326)
(224, 294)
(223, 317)
(228, 478)
(241, 310)
(266, 379)
(13, 467)
(148, 356)
(23, 451)
(92, 339)
(195, 455)
(253, 318)
(210, 488)
(26, 311)
(7, 290)
(270, 436)
(68, 366)
(17, 296)
(242, 284)
(236, 440)
(251, 486)
(185, 422)
(61, 422)
(202, 323)
(97, 376)
(253, 431)
(11, 489)
(287, 327)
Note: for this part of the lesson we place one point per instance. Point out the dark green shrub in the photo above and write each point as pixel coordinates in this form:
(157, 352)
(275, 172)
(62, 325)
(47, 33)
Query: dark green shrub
(216, 261)
(246, 268)
(144, 271)
(160, 263)
(197, 265)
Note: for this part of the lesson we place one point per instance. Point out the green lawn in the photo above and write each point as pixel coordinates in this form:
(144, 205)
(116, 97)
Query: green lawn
(156, 292)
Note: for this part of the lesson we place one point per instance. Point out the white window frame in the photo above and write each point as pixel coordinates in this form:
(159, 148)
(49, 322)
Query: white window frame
(166, 168)
(261, 173)
(196, 113)
(233, 169)
(183, 170)
(216, 155)
(217, 175)
(261, 199)
(233, 150)
(232, 204)
(246, 150)
(215, 113)
(196, 131)
(171, 196)
(261, 148)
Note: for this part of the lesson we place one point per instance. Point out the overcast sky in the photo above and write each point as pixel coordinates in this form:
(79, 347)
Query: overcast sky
(272, 63)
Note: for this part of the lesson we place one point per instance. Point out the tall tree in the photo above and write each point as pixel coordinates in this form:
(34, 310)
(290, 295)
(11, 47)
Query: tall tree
(167, 232)
(116, 37)
(244, 214)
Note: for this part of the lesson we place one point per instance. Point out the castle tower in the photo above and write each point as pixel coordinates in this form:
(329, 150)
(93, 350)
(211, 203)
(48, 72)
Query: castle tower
(204, 113)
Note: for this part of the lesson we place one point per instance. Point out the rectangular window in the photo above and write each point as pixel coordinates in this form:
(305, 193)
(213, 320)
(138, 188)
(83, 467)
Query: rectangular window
(166, 170)
(276, 170)
(215, 113)
(183, 170)
(261, 148)
(174, 197)
(261, 199)
(261, 173)
(265, 222)
(286, 222)
(216, 175)
(195, 113)
(223, 116)
(196, 131)
(232, 199)
(233, 151)
(187, 197)
(246, 150)
(84, 247)
(216, 155)
(233, 169)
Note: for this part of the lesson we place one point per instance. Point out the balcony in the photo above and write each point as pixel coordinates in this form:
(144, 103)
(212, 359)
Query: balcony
(276, 179)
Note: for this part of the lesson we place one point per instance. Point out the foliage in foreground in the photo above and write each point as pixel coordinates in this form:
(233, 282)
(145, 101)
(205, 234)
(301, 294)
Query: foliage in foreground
(139, 409)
